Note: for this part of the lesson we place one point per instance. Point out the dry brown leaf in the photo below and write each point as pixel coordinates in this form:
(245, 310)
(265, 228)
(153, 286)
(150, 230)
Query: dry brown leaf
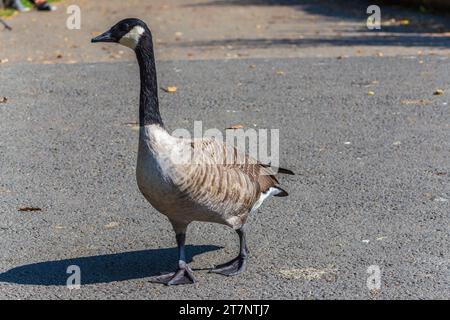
(112, 225)
(171, 89)
(178, 35)
(4, 190)
(133, 125)
(235, 127)
(309, 274)
(3, 99)
(418, 101)
(370, 93)
(29, 209)
(439, 92)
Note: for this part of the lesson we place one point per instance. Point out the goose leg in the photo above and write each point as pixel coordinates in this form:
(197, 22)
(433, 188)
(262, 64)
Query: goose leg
(184, 274)
(238, 264)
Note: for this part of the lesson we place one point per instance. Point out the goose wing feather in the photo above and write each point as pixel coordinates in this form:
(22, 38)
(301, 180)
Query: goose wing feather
(222, 179)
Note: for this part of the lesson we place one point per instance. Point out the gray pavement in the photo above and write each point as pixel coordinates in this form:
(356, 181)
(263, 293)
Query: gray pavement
(372, 184)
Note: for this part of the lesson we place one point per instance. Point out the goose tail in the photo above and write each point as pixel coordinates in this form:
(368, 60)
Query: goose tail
(279, 169)
(286, 171)
(281, 192)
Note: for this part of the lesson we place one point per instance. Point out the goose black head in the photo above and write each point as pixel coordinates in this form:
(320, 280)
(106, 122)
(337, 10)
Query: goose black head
(127, 32)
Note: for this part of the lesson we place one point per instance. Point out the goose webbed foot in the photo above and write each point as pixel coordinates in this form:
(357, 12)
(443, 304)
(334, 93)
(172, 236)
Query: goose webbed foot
(232, 268)
(183, 275)
(238, 264)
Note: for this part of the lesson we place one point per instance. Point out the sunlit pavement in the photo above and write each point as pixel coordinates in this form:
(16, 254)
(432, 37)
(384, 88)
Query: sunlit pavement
(367, 138)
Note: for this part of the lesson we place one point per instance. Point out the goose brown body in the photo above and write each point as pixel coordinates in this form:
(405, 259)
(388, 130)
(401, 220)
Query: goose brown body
(200, 179)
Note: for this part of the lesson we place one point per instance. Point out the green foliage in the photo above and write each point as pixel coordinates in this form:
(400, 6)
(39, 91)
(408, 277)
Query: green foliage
(8, 12)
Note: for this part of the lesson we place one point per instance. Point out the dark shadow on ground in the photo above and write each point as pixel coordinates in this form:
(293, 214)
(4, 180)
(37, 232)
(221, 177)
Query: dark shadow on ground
(355, 10)
(389, 40)
(104, 268)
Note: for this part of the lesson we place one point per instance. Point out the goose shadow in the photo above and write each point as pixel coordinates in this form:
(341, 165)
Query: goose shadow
(103, 268)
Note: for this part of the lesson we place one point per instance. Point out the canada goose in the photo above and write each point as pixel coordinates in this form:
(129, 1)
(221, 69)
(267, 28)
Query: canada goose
(207, 189)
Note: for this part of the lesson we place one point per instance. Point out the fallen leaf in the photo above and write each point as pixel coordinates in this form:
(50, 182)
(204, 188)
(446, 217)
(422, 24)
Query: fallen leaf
(404, 22)
(234, 127)
(418, 101)
(28, 209)
(4, 60)
(132, 125)
(112, 225)
(308, 273)
(370, 93)
(170, 89)
(428, 195)
(439, 92)
(370, 84)
(3, 99)
(280, 72)
(178, 35)
(4, 190)
(412, 120)
(252, 66)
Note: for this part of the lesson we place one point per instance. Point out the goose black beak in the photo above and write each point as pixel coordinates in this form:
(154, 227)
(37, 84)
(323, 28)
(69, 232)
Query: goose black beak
(104, 37)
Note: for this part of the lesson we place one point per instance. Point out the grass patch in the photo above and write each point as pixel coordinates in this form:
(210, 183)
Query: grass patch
(8, 12)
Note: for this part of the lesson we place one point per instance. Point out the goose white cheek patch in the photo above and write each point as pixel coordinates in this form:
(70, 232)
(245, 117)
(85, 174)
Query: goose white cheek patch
(131, 39)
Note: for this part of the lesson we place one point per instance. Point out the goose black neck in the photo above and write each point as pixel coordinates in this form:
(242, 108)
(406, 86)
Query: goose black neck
(148, 102)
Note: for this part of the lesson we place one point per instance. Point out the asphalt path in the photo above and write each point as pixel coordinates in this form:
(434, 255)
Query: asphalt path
(372, 184)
